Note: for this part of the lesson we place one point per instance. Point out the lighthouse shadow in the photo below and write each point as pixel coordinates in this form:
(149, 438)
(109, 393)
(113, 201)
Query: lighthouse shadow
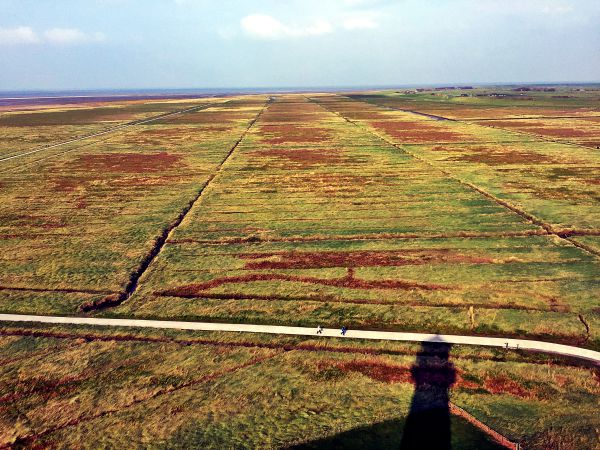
(428, 424)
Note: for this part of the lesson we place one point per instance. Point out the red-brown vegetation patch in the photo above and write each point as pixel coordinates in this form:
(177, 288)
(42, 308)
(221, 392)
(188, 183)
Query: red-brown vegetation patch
(563, 132)
(432, 374)
(498, 155)
(293, 133)
(66, 183)
(391, 258)
(39, 221)
(417, 131)
(525, 123)
(304, 158)
(349, 281)
(162, 134)
(504, 385)
(207, 117)
(376, 370)
(331, 183)
(128, 162)
(542, 128)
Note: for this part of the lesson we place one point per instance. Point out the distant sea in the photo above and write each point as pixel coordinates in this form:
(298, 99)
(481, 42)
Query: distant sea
(46, 97)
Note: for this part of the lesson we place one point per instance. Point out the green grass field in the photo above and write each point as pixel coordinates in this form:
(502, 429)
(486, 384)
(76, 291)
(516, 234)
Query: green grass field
(442, 211)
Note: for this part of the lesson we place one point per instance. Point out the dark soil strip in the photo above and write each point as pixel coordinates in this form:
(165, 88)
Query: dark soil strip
(31, 439)
(159, 243)
(524, 214)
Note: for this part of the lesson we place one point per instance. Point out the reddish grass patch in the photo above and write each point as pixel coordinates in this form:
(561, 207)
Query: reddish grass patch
(433, 375)
(542, 128)
(293, 133)
(416, 131)
(391, 258)
(504, 385)
(512, 123)
(128, 162)
(498, 155)
(376, 370)
(348, 281)
(562, 132)
(331, 183)
(304, 158)
(65, 184)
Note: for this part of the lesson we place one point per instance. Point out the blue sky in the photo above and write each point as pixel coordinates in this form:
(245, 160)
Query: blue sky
(87, 44)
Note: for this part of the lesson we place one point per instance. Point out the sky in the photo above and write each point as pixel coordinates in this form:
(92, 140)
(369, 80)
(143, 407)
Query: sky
(110, 44)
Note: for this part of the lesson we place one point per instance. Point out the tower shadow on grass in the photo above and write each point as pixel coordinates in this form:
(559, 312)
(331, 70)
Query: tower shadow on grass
(428, 424)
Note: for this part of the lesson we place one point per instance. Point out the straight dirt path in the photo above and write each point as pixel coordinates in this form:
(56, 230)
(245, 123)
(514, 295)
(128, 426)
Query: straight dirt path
(521, 344)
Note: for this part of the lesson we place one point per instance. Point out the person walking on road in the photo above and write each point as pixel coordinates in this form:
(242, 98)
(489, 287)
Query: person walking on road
(319, 329)
(344, 329)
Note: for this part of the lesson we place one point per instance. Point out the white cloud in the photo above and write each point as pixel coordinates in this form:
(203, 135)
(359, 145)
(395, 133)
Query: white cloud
(62, 36)
(262, 26)
(18, 35)
(360, 22)
(71, 36)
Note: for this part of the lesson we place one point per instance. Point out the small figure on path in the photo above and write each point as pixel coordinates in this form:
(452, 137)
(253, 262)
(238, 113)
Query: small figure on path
(319, 329)
(344, 329)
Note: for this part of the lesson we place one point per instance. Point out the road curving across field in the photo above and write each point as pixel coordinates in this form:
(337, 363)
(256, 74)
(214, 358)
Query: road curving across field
(521, 344)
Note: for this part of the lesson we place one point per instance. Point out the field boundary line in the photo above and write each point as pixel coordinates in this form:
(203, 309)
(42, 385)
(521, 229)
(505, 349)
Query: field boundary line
(167, 232)
(506, 343)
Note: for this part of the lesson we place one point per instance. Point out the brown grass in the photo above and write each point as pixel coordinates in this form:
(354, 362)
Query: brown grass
(391, 258)
(416, 131)
(348, 281)
(304, 158)
(128, 162)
